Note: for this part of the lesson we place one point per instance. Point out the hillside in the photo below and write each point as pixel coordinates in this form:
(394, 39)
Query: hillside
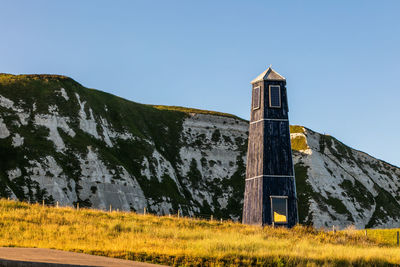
(187, 242)
(60, 141)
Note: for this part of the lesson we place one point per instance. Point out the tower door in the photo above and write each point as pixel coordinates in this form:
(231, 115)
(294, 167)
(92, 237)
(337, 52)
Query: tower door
(279, 209)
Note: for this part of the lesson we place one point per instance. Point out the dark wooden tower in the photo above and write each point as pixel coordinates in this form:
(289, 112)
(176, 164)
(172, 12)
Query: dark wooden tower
(270, 193)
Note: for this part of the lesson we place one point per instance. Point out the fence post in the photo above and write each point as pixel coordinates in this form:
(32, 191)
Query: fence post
(57, 204)
(398, 238)
(178, 214)
(77, 206)
(144, 211)
(212, 217)
(43, 202)
(333, 229)
(221, 220)
(110, 208)
(366, 235)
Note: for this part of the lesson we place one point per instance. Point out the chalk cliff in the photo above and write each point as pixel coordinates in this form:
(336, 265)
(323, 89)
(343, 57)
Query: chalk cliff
(60, 141)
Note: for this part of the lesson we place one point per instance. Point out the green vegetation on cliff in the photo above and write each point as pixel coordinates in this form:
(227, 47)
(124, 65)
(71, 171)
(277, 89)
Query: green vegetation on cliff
(37, 92)
(153, 128)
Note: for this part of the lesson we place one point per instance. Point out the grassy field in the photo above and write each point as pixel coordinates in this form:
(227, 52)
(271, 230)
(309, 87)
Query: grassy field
(383, 236)
(185, 241)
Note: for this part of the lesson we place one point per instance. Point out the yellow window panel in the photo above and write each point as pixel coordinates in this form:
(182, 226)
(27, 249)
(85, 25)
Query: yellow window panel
(279, 217)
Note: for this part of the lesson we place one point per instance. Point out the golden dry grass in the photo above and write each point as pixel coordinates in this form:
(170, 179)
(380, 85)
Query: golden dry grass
(184, 241)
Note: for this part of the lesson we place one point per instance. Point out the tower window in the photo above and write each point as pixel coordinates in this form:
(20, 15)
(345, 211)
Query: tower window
(256, 97)
(274, 96)
(279, 209)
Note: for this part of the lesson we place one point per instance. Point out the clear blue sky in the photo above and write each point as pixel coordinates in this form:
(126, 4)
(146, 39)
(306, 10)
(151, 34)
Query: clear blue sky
(341, 58)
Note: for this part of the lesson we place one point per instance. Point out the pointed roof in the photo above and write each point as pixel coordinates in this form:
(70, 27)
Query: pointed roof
(270, 75)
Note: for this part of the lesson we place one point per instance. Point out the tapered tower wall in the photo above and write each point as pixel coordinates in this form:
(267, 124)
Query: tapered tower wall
(270, 181)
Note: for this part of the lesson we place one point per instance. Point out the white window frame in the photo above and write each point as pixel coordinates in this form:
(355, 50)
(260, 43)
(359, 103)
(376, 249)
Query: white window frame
(272, 209)
(259, 98)
(280, 96)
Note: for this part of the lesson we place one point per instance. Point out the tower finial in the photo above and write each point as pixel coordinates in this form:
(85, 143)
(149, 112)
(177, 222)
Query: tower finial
(270, 66)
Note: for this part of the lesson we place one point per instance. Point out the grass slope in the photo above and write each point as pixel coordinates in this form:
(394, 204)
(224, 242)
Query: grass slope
(184, 241)
(197, 111)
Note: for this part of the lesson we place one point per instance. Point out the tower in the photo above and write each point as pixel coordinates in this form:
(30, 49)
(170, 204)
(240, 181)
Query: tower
(270, 191)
